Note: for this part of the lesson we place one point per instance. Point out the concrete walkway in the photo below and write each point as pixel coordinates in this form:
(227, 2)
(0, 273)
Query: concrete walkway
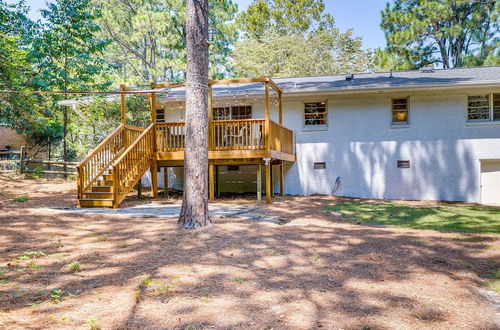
(172, 210)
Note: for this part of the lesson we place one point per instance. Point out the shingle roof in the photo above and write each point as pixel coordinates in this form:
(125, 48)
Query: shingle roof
(364, 82)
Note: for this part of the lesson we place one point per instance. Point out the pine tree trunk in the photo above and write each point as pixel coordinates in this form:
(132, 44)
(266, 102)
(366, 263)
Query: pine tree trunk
(194, 212)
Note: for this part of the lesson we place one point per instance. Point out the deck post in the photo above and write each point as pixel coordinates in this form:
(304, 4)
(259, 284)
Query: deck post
(267, 115)
(123, 105)
(165, 181)
(211, 186)
(280, 108)
(268, 181)
(282, 193)
(210, 118)
(152, 103)
(259, 182)
(154, 178)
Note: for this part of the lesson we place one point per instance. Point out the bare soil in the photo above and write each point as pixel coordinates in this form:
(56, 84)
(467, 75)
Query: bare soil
(317, 271)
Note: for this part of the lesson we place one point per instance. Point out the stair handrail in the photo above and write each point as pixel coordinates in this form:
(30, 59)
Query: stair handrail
(84, 183)
(119, 196)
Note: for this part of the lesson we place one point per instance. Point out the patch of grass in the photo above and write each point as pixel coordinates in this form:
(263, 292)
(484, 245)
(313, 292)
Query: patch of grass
(493, 282)
(238, 280)
(55, 295)
(21, 199)
(449, 218)
(74, 267)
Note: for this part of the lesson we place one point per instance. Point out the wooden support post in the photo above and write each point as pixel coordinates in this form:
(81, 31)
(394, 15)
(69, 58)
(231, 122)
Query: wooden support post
(217, 189)
(259, 182)
(139, 189)
(210, 118)
(21, 160)
(154, 178)
(282, 176)
(152, 104)
(211, 186)
(165, 182)
(267, 115)
(123, 105)
(280, 109)
(268, 182)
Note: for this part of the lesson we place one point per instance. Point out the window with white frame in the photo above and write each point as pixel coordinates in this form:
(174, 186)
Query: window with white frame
(315, 113)
(400, 111)
(232, 112)
(483, 107)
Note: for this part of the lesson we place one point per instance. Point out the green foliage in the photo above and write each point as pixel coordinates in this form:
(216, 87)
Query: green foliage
(55, 295)
(326, 51)
(282, 17)
(74, 267)
(453, 218)
(148, 38)
(452, 33)
(21, 199)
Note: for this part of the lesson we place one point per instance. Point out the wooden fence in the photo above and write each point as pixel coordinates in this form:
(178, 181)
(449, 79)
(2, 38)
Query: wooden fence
(17, 161)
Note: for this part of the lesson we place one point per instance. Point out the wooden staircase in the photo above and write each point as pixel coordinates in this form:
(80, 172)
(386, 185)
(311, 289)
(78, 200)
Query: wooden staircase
(113, 168)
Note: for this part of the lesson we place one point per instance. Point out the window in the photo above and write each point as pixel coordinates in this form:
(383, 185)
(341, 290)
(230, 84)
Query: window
(234, 112)
(483, 107)
(160, 115)
(399, 111)
(315, 113)
(403, 164)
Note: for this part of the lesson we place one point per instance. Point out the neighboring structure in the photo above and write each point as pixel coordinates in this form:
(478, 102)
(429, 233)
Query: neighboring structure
(10, 139)
(416, 135)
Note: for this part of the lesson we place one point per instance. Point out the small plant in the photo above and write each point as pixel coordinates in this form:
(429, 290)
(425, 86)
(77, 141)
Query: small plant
(147, 281)
(72, 177)
(92, 322)
(123, 245)
(34, 254)
(101, 238)
(21, 199)
(315, 257)
(204, 299)
(5, 282)
(35, 267)
(55, 295)
(74, 267)
(275, 253)
(37, 173)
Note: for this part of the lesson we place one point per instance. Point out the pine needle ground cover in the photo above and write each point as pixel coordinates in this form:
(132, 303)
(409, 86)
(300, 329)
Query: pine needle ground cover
(442, 217)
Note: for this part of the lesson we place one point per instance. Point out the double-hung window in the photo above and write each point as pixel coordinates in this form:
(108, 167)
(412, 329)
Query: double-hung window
(400, 110)
(483, 107)
(315, 114)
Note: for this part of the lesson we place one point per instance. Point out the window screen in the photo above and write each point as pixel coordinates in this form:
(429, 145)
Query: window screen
(478, 107)
(315, 113)
(400, 111)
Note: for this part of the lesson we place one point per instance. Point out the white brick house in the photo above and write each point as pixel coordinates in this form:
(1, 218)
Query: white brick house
(442, 142)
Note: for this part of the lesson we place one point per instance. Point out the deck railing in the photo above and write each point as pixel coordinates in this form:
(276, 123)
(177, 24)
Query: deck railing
(244, 134)
(129, 167)
(94, 165)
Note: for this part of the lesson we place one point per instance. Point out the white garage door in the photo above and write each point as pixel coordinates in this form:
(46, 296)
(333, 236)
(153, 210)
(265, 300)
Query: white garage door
(490, 182)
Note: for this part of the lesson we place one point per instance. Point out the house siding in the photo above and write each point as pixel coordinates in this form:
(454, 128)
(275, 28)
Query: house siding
(360, 146)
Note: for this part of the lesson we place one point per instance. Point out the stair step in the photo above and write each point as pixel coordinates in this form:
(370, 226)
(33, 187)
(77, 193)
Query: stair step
(104, 182)
(95, 202)
(99, 195)
(102, 189)
(107, 177)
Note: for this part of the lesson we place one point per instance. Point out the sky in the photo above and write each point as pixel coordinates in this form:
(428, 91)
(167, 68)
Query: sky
(363, 16)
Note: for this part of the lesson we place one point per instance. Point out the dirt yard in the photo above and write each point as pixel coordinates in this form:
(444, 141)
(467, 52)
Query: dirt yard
(316, 271)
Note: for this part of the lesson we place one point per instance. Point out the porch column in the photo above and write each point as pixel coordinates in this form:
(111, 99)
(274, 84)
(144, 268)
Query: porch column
(154, 178)
(280, 109)
(268, 181)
